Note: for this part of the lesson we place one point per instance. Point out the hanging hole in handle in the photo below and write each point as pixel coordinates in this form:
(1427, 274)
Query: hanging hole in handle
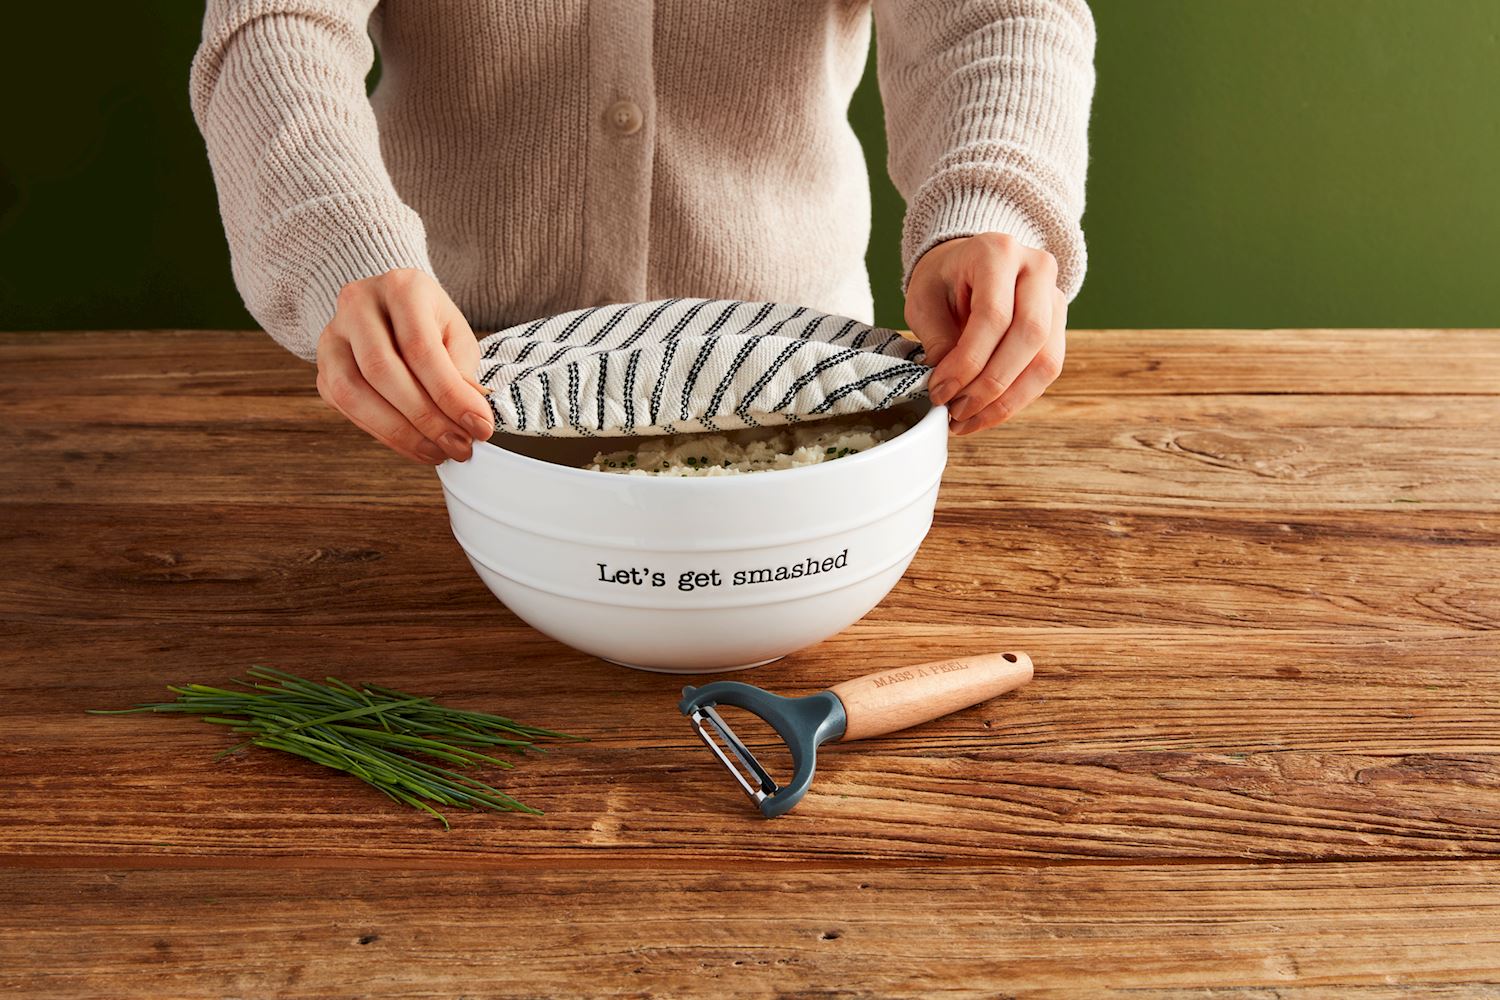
(1008, 657)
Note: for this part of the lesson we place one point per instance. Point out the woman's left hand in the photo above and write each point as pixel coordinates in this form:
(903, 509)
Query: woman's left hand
(992, 325)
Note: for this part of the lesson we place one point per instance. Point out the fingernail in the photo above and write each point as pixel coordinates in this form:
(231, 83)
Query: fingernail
(965, 426)
(456, 445)
(478, 426)
(943, 392)
(430, 452)
(961, 408)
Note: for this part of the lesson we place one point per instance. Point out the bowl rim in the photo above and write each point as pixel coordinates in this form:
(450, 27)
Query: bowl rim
(496, 453)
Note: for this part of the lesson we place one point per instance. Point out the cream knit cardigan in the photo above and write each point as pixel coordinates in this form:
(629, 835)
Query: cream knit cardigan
(537, 156)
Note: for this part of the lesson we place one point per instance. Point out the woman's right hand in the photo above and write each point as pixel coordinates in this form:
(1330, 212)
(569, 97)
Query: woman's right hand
(398, 359)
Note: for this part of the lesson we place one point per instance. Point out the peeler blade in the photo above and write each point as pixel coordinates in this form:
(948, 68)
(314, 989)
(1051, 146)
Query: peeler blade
(706, 719)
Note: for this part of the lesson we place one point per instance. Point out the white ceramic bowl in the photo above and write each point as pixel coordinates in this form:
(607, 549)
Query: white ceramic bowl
(688, 575)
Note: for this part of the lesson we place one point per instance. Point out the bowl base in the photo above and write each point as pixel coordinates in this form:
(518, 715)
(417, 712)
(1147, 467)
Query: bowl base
(692, 670)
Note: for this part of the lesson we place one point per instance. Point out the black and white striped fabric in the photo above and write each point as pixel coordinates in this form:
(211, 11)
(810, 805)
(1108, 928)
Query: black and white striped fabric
(679, 365)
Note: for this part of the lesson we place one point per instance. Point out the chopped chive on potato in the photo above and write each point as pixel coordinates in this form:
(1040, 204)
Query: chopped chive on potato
(720, 455)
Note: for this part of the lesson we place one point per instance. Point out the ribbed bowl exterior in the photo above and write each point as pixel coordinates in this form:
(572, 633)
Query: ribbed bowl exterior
(696, 574)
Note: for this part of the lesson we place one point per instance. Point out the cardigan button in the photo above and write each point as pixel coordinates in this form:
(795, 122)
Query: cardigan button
(625, 117)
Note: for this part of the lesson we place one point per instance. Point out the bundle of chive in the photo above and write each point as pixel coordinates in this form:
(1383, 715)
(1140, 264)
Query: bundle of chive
(372, 732)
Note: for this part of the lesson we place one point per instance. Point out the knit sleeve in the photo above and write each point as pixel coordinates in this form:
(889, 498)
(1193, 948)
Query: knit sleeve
(987, 105)
(278, 91)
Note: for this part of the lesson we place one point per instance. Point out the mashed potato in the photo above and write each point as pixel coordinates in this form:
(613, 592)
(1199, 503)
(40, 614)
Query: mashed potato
(718, 455)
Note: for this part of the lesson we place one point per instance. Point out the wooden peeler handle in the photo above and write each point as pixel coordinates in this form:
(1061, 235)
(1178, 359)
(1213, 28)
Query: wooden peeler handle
(891, 700)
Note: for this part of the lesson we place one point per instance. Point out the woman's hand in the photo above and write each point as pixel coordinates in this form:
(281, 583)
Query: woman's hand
(992, 324)
(398, 359)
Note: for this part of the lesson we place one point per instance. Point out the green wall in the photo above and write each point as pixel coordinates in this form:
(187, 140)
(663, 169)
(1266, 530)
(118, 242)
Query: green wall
(1253, 163)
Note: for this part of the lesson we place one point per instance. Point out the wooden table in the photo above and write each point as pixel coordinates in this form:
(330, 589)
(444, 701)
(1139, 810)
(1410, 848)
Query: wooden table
(1259, 573)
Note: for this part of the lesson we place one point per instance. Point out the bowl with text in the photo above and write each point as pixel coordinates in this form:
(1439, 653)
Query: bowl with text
(695, 574)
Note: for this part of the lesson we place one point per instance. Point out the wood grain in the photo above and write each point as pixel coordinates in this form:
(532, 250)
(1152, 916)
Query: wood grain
(318, 564)
(897, 698)
(1256, 570)
(1256, 452)
(1253, 418)
(1327, 362)
(174, 363)
(1141, 744)
(1376, 930)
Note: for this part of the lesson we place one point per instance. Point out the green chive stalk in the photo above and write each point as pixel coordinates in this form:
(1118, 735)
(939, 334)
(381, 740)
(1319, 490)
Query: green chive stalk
(377, 734)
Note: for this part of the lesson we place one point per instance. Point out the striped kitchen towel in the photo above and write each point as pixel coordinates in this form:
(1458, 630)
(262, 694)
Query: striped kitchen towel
(679, 365)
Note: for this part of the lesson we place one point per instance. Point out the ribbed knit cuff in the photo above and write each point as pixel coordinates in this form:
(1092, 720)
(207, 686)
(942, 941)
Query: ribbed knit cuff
(946, 211)
(968, 215)
(331, 242)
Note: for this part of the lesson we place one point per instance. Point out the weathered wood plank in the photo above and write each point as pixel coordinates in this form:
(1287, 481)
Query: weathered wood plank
(1077, 567)
(673, 805)
(1081, 451)
(1256, 571)
(1129, 744)
(1375, 930)
(173, 363)
(1023, 567)
(166, 364)
(221, 410)
(1354, 362)
(1216, 691)
(1262, 452)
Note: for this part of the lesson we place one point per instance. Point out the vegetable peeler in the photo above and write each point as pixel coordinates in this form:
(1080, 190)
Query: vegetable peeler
(873, 705)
